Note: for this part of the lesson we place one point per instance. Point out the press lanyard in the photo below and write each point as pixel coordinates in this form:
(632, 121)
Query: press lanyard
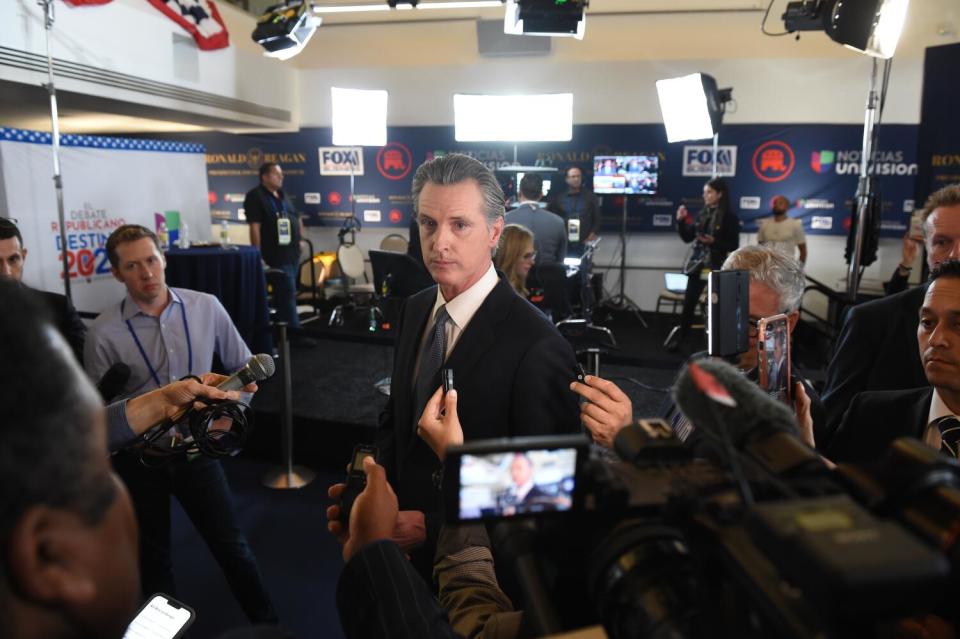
(576, 201)
(281, 211)
(143, 353)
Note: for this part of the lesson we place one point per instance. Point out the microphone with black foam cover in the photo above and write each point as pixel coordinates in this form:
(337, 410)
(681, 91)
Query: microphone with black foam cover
(257, 369)
(113, 381)
(716, 397)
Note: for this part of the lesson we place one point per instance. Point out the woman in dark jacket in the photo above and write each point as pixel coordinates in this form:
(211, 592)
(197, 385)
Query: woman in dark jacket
(716, 232)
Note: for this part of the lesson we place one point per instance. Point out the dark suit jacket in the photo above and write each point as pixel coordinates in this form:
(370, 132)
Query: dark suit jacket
(877, 350)
(875, 419)
(66, 320)
(512, 371)
(380, 595)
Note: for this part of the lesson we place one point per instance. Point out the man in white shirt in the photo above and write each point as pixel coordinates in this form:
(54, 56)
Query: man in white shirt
(783, 232)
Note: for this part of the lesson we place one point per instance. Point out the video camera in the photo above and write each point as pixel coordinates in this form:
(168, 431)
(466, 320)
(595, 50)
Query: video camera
(741, 531)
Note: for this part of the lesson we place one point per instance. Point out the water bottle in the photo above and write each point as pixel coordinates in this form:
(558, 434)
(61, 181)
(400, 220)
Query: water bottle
(224, 234)
(163, 237)
(184, 239)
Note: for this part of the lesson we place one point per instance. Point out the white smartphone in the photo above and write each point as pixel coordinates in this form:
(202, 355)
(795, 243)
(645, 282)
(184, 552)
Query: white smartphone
(162, 617)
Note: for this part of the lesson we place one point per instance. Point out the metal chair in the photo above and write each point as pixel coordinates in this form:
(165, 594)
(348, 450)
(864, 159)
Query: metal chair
(395, 242)
(589, 340)
(350, 259)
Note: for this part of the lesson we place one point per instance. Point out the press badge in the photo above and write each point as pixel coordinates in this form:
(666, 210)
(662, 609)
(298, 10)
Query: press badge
(573, 230)
(284, 231)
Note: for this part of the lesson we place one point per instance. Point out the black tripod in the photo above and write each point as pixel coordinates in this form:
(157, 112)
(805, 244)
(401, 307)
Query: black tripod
(622, 301)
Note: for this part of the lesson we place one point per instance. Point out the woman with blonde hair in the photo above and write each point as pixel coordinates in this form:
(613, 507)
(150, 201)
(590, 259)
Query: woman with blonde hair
(516, 256)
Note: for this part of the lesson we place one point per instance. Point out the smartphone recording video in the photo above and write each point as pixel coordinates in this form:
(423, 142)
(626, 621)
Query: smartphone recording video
(773, 343)
(512, 478)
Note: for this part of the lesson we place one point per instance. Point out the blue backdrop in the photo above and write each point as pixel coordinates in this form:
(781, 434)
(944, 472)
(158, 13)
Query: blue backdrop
(815, 166)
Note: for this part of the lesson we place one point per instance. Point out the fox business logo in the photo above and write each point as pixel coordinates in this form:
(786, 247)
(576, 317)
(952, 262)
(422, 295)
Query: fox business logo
(341, 160)
(698, 160)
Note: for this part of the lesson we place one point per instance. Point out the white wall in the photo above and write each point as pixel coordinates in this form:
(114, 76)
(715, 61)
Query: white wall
(132, 37)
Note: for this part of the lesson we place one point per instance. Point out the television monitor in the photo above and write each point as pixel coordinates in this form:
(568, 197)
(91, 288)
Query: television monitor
(626, 174)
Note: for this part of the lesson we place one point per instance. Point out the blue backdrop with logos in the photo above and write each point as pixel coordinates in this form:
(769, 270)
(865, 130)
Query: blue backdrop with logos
(939, 136)
(815, 166)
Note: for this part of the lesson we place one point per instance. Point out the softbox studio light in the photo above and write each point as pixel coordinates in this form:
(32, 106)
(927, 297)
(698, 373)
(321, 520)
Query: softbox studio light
(872, 27)
(692, 106)
(284, 29)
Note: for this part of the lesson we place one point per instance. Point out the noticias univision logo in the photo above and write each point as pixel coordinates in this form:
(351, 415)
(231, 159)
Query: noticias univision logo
(822, 161)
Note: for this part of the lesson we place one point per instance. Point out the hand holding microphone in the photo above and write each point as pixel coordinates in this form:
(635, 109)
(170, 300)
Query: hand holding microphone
(169, 404)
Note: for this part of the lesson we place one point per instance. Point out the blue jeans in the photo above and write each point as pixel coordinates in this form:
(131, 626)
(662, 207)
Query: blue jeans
(201, 488)
(285, 295)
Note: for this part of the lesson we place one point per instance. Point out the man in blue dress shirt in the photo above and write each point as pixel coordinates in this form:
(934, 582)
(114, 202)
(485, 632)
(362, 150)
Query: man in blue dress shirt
(164, 334)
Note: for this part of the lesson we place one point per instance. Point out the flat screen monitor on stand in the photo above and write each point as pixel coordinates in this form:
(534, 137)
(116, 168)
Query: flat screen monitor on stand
(626, 175)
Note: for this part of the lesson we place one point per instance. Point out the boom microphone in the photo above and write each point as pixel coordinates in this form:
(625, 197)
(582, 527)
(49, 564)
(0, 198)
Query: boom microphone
(718, 398)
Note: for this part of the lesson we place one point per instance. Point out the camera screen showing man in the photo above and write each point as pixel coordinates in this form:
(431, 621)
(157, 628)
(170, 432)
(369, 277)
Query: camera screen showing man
(516, 483)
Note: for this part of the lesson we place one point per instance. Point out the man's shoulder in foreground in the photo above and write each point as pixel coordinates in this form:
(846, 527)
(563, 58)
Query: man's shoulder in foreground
(907, 301)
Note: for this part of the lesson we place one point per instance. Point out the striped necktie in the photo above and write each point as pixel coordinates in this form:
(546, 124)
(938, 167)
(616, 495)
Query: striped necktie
(949, 435)
(431, 359)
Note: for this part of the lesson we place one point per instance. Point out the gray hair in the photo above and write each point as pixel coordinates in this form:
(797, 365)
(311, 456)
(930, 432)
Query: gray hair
(455, 168)
(774, 268)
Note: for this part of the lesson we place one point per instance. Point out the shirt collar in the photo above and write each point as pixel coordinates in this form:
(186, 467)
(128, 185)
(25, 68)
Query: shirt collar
(463, 307)
(938, 408)
(130, 309)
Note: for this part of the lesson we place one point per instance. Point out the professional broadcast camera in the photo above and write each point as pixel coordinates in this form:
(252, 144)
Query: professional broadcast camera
(741, 531)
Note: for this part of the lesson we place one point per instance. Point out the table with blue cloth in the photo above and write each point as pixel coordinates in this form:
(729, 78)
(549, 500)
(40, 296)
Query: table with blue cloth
(235, 276)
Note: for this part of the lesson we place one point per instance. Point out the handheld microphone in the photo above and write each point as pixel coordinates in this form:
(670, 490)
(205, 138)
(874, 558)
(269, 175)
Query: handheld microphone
(755, 423)
(257, 369)
(113, 381)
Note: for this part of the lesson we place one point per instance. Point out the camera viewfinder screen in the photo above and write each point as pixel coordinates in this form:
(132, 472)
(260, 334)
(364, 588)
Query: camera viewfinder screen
(516, 483)
(626, 174)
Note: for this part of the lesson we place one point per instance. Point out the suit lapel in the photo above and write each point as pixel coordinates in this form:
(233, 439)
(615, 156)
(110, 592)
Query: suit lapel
(480, 334)
(920, 412)
(415, 320)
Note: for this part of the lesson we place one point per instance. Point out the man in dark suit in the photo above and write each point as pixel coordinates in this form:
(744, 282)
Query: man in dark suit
(511, 367)
(877, 348)
(64, 316)
(876, 418)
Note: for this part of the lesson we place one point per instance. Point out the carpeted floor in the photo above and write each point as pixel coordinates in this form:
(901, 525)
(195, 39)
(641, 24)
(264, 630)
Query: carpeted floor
(335, 405)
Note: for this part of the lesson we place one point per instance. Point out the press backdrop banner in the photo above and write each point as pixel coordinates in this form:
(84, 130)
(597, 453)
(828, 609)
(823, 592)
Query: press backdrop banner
(107, 182)
(814, 165)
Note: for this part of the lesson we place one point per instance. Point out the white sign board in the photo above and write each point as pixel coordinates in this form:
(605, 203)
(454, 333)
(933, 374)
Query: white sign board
(107, 182)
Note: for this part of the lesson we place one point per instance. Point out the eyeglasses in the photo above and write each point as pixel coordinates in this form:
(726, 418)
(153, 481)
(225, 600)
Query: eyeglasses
(532, 255)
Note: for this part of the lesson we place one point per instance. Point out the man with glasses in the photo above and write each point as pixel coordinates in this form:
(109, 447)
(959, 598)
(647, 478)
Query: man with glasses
(776, 286)
(13, 255)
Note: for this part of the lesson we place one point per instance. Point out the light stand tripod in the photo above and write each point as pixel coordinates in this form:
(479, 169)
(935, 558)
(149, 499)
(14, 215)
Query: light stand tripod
(622, 301)
(48, 19)
(865, 183)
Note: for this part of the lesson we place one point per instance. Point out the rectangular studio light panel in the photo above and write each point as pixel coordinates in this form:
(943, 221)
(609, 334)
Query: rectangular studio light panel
(359, 117)
(513, 118)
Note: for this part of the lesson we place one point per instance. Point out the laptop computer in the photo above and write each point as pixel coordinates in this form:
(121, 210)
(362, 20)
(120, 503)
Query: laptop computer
(675, 282)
